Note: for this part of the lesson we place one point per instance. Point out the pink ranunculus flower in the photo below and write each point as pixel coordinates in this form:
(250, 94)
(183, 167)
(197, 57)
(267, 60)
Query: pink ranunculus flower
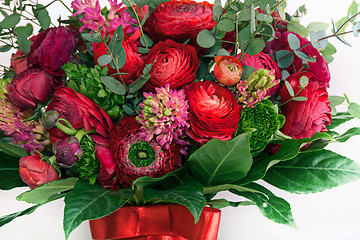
(228, 70)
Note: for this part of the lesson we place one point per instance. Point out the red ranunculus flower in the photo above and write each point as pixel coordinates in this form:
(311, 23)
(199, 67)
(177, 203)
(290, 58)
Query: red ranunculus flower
(319, 68)
(262, 61)
(31, 87)
(135, 157)
(52, 48)
(132, 63)
(34, 172)
(304, 118)
(214, 112)
(80, 111)
(174, 63)
(179, 20)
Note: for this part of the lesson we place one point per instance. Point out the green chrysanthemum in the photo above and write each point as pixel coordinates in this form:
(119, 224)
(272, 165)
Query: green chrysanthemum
(265, 120)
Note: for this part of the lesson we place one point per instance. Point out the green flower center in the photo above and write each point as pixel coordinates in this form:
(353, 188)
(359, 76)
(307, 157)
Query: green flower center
(141, 154)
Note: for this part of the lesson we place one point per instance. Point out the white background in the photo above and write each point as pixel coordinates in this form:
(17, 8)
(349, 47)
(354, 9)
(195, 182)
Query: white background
(330, 215)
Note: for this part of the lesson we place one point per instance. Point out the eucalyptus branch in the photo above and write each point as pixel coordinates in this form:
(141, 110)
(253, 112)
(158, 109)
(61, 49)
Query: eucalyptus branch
(251, 40)
(346, 22)
(292, 97)
(138, 20)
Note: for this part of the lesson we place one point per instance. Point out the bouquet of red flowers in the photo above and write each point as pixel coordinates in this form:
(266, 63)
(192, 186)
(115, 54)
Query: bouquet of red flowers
(169, 102)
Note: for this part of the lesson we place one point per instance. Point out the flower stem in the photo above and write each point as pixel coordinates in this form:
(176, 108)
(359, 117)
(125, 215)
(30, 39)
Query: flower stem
(68, 130)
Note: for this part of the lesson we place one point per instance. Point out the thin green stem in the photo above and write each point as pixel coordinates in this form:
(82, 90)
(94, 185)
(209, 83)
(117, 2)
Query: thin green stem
(65, 5)
(291, 98)
(140, 26)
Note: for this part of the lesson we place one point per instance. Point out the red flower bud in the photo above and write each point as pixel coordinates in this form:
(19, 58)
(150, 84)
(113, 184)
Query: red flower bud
(34, 172)
(228, 70)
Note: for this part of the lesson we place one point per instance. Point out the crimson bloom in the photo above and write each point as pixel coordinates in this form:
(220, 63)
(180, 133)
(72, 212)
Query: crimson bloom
(213, 112)
(174, 64)
(31, 87)
(52, 48)
(80, 111)
(34, 172)
(135, 157)
(304, 118)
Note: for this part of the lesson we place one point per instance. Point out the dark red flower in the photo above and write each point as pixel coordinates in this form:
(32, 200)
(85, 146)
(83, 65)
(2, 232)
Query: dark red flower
(67, 151)
(135, 157)
(31, 87)
(173, 63)
(132, 63)
(80, 111)
(19, 62)
(179, 21)
(34, 172)
(52, 48)
(304, 118)
(262, 61)
(214, 112)
(319, 68)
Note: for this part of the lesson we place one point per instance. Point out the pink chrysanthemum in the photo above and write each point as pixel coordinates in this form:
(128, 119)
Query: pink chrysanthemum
(31, 135)
(164, 116)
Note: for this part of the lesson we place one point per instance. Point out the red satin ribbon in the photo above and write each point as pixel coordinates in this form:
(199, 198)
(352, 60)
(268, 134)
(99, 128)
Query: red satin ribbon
(157, 222)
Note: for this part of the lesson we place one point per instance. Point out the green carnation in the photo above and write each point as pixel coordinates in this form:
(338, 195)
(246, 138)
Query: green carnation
(265, 120)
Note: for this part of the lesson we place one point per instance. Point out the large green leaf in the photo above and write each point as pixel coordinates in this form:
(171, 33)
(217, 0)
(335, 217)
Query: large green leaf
(12, 150)
(188, 194)
(226, 187)
(271, 206)
(289, 149)
(8, 218)
(313, 172)
(339, 119)
(221, 162)
(9, 172)
(42, 193)
(86, 202)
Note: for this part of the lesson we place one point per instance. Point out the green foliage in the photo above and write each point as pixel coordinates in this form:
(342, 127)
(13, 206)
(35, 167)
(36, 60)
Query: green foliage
(86, 202)
(87, 81)
(88, 166)
(44, 192)
(9, 172)
(42, 15)
(271, 206)
(313, 172)
(10, 21)
(265, 120)
(188, 194)
(221, 162)
(8, 218)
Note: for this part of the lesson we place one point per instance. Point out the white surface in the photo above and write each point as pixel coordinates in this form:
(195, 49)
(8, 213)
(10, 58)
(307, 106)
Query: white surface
(330, 215)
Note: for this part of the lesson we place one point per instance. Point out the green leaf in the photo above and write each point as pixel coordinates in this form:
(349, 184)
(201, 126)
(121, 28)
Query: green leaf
(264, 18)
(296, 27)
(289, 89)
(113, 85)
(284, 58)
(221, 203)
(317, 26)
(221, 162)
(217, 10)
(9, 172)
(329, 50)
(313, 172)
(348, 134)
(299, 99)
(24, 43)
(245, 35)
(289, 149)
(354, 109)
(294, 42)
(104, 60)
(24, 30)
(42, 15)
(271, 206)
(8, 218)
(95, 37)
(315, 36)
(42, 193)
(252, 19)
(247, 70)
(353, 10)
(225, 25)
(138, 83)
(5, 48)
(339, 119)
(12, 150)
(10, 21)
(256, 46)
(226, 187)
(87, 202)
(304, 81)
(188, 194)
(205, 39)
(336, 100)
(245, 15)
